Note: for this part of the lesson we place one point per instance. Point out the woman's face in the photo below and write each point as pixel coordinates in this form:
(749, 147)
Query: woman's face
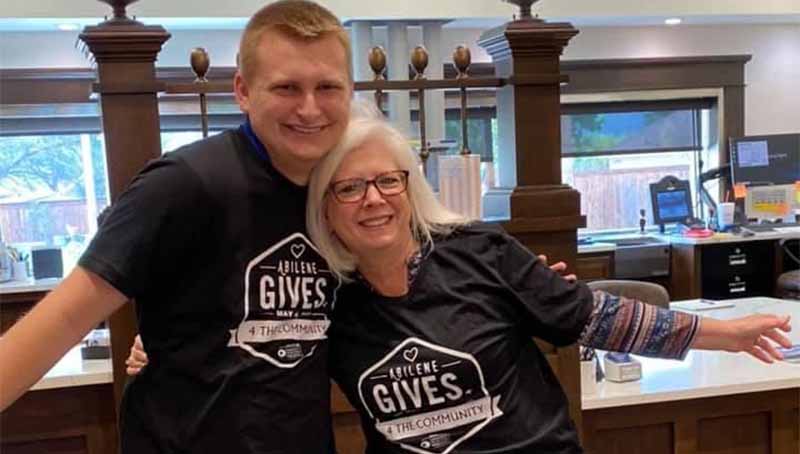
(377, 223)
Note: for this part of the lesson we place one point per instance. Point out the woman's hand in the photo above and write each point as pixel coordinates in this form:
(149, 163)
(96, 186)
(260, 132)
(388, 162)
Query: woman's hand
(137, 359)
(758, 335)
(559, 268)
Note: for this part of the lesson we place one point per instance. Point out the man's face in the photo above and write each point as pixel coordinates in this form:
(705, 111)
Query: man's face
(297, 99)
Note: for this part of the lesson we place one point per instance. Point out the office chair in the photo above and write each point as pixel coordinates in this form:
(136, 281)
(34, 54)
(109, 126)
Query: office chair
(647, 292)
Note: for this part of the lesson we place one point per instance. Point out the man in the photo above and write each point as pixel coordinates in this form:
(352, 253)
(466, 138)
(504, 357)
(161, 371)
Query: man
(232, 299)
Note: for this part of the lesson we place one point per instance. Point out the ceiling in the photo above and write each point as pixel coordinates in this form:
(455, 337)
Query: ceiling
(237, 23)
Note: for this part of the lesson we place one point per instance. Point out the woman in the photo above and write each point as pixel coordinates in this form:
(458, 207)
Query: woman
(431, 340)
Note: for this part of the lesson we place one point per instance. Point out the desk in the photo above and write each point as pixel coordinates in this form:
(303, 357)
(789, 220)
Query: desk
(702, 267)
(712, 402)
(725, 266)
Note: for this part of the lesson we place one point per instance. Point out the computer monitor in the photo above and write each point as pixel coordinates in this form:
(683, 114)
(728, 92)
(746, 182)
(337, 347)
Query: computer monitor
(672, 201)
(769, 159)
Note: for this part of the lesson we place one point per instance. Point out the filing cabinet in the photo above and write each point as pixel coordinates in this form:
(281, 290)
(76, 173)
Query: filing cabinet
(737, 270)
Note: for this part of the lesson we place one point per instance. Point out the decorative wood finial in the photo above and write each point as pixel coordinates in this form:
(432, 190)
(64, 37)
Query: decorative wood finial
(119, 9)
(377, 61)
(462, 58)
(524, 7)
(200, 62)
(419, 60)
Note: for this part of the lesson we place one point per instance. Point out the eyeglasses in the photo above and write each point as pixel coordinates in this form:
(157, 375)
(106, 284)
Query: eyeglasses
(354, 190)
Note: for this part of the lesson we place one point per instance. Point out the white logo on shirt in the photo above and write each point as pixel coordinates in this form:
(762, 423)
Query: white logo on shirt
(426, 397)
(289, 293)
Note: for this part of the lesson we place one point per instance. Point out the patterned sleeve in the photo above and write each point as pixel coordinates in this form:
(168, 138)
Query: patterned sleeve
(626, 325)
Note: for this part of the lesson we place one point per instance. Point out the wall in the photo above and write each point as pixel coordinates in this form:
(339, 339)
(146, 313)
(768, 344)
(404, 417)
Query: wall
(772, 97)
(773, 75)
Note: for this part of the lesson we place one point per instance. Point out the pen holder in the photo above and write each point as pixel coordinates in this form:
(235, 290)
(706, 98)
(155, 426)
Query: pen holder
(589, 376)
(19, 271)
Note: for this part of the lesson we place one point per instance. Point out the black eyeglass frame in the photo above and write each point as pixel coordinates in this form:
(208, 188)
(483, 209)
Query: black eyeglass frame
(373, 182)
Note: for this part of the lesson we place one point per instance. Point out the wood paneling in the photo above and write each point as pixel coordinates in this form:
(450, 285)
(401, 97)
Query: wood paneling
(595, 266)
(126, 80)
(78, 419)
(650, 439)
(592, 76)
(67, 445)
(684, 280)
(346, 424)
(14, 306)
(751, 423)
(743, 434)
(349, 437)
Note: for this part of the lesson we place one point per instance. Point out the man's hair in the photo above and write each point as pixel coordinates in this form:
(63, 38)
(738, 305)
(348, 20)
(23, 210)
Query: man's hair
(428, 215)
(298, 19)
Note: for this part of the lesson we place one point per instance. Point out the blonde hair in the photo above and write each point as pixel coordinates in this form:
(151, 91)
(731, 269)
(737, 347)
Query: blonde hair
(298, 19)
(428, 215)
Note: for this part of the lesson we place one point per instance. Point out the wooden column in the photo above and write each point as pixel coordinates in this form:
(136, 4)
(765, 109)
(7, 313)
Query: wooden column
(543, 213)
(125, 52)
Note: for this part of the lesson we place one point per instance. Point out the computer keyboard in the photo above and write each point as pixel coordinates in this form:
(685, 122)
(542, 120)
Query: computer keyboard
(759, 228)
(776, 227)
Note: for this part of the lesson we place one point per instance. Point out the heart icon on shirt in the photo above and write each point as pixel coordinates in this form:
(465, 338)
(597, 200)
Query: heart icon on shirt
(411, 354)
(297, 250)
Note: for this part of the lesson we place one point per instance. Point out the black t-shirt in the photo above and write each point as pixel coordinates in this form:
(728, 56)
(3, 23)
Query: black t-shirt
(233, 303)
(451, 367)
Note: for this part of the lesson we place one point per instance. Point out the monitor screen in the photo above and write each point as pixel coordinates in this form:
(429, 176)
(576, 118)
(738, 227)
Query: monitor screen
(671, 200)
(672, 205)
(773, 159)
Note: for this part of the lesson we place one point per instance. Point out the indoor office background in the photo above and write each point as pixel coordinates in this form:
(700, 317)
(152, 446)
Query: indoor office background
(614, 142)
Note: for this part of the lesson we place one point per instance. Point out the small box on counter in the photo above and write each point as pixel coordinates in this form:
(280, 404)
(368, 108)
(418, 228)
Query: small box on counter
(621, 367)
(47, 263)
(96, 345)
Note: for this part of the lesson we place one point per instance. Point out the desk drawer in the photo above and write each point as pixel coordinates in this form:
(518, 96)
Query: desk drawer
(595, 266)
(738, 258)
(738, 270)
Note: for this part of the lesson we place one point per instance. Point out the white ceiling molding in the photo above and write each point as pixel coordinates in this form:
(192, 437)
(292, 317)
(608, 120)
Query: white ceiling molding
(395, 9)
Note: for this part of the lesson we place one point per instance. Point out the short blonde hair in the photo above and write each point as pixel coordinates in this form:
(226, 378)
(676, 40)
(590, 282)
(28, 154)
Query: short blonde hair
(428, 215)
(298, 19)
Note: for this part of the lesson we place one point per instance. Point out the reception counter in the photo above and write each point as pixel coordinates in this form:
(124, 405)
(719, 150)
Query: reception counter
(70, 410)
(710, 402)
(72, 371)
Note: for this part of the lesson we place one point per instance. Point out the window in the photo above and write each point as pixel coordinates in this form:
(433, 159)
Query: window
(52, 188)
(611, 152)
(481, 137)
(481, 130)
(173, 140)
(53, 178)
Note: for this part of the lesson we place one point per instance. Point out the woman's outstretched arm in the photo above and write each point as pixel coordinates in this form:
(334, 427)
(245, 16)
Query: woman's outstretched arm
(627, 325)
